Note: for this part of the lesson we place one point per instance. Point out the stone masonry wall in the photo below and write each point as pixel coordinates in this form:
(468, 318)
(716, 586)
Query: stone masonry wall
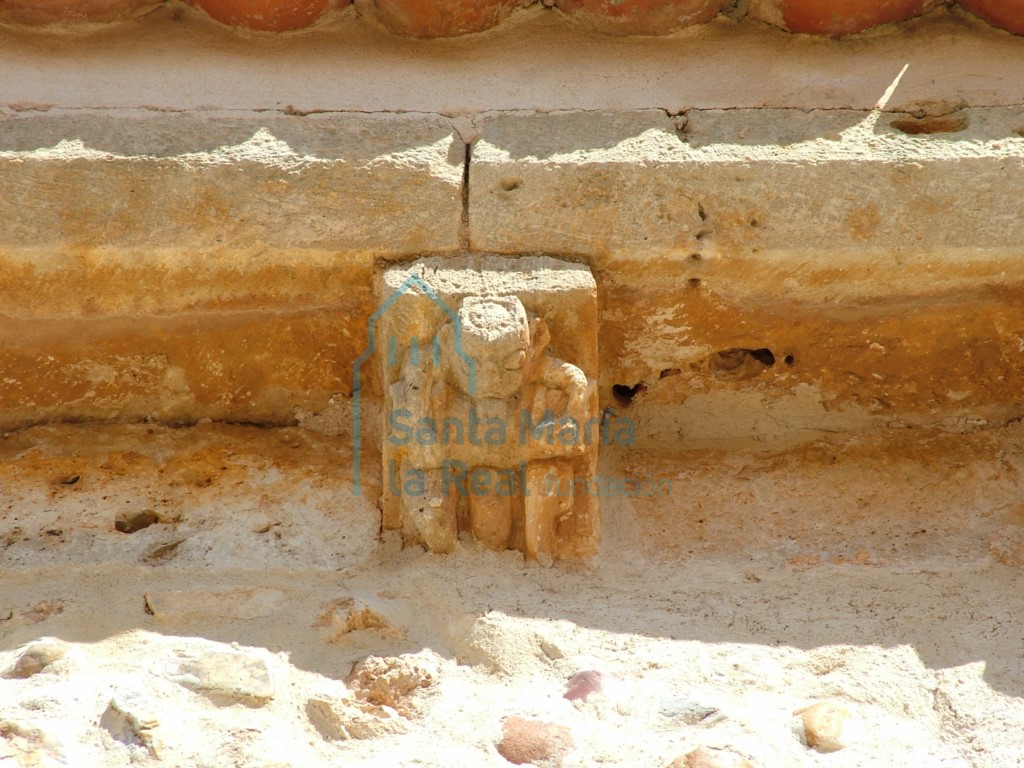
(764, 271)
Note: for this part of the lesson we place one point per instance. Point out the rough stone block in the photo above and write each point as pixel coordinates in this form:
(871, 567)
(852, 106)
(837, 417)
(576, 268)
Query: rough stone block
(78, 184)
(180, 267)
(867, 276)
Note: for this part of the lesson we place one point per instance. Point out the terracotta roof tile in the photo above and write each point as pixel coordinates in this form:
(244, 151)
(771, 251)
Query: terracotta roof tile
(449, 18)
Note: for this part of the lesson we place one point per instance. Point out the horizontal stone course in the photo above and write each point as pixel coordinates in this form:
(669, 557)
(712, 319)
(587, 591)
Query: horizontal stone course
(880, 270)
(871, 265)
(178, 267)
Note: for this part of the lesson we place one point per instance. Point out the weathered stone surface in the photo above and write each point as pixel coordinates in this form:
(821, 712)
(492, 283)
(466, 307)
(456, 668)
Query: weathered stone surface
(226, 677)
(37, 657)
(828, 726)
(341, 719)
(534, 742)
(1008, 14)
(642, 17)
(207, 255)
(129, 720)
(438, 19)
(269, 15)
(389, 681)
(843, 248)
(836, 17)
(348, 614)
(185, 605)
(491, 422)
(87, 185)
(237, 366)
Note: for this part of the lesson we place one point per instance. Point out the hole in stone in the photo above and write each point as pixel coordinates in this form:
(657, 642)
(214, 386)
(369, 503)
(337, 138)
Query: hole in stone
(625, 393)
(789, 359)
(701, 212)
(755, 223)
(669, 372)
(915, 126)
(694, 282)
(511, 184)
(739, 363)
(702, 234)
(696, 256)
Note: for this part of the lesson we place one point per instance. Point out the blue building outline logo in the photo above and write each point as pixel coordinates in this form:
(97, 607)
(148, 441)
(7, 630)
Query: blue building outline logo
(414, 281)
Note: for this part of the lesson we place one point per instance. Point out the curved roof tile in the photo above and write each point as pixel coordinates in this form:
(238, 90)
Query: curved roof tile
(449, 18)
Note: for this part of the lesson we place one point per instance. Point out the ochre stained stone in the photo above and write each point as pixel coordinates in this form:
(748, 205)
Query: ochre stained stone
(836, 17)
(642, 17)
(269, 15)
(71, 11)
(1008, 14)
(438, 19)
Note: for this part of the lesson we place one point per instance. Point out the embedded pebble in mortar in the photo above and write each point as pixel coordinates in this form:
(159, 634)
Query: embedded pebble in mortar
(534, 741)
(130, 521)
(37, 657)
(689, 711)
(583, 684)
(348, 614)
(343, 719)
(388, 681)
(828, 726)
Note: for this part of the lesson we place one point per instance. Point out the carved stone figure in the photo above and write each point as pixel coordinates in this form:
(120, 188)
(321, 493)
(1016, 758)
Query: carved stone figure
(486, 430)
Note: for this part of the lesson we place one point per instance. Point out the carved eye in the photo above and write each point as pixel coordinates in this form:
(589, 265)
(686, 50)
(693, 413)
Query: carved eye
(515, 361)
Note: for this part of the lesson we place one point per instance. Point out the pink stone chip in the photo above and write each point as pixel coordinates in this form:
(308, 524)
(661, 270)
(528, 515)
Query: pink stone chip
(584, 683)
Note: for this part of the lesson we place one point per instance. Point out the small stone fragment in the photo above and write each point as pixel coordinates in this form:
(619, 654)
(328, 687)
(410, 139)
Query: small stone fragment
(161, 553)
(134, 520)
(712, 757)
(130, 719)
(388, 681)
(583, 684)
(534, 741)
(341, 719)
(689, 711)
(226, 677)
(348, 614)
(37, 657)
(828, 725)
